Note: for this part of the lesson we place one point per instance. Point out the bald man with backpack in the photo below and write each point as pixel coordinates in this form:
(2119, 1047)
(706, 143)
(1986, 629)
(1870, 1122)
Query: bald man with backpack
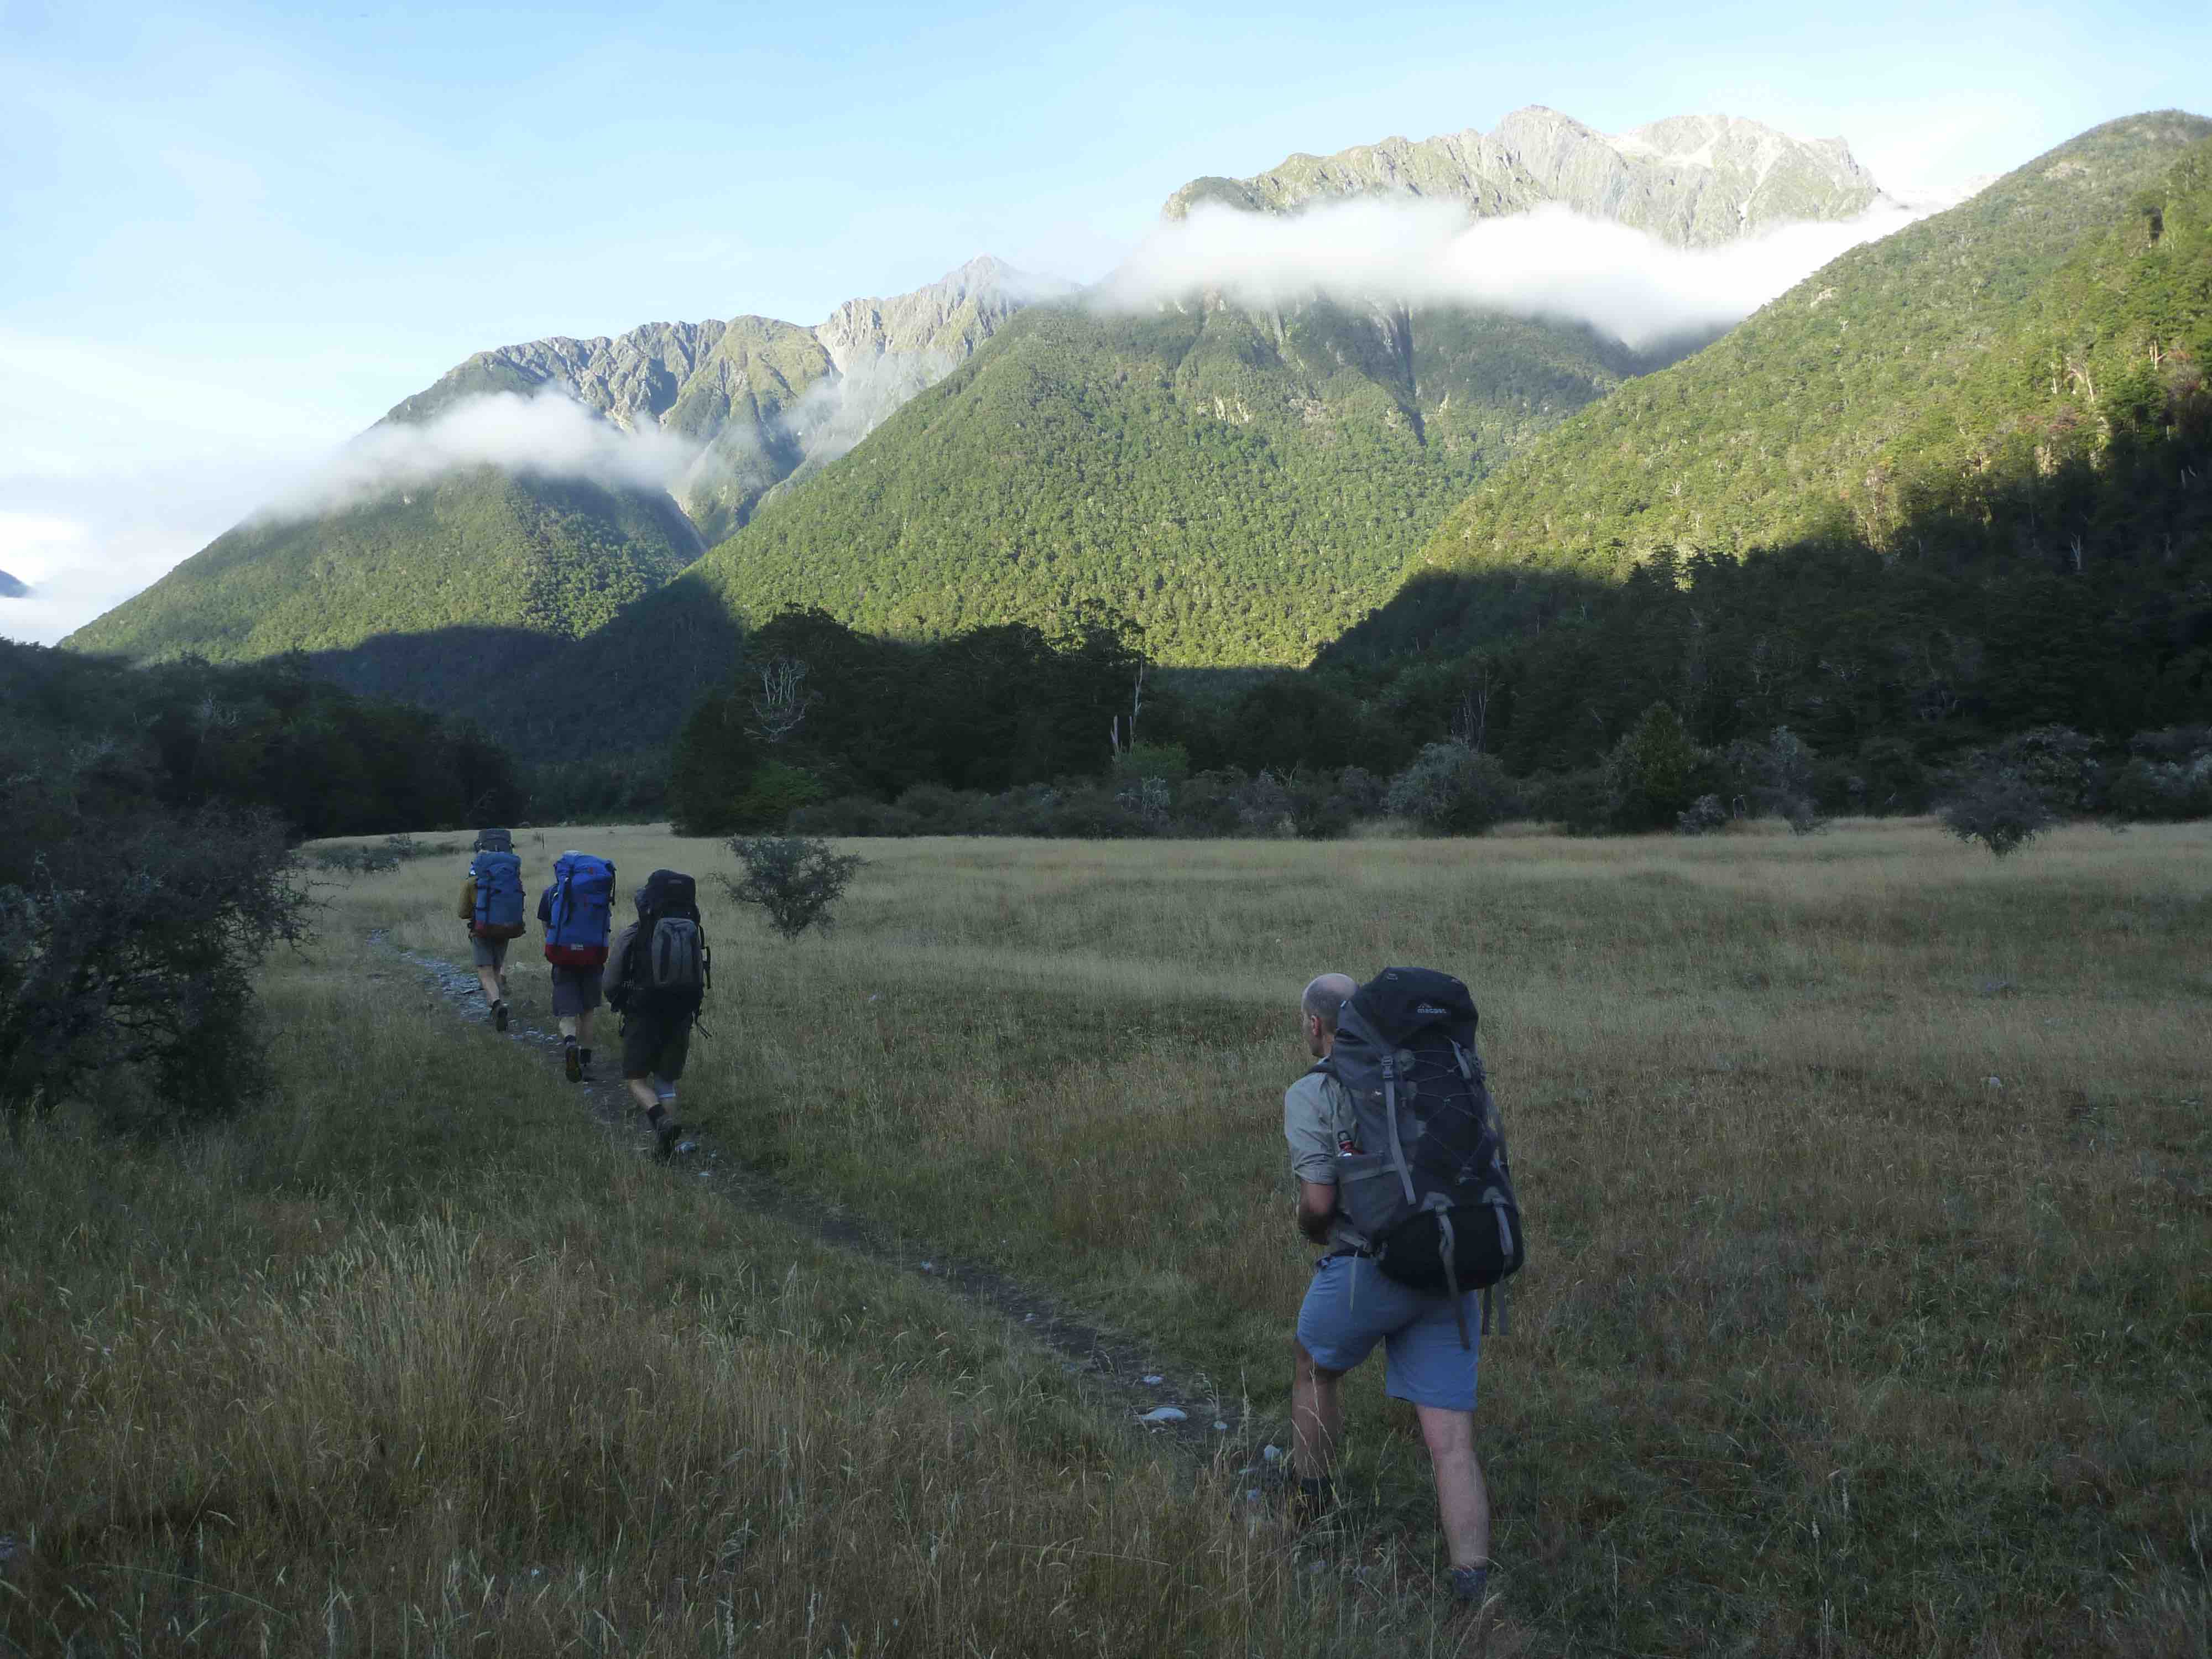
(1403, 1179)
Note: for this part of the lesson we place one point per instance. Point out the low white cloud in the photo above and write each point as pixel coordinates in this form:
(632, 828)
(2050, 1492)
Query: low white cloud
(548, 435)
(1550, 263)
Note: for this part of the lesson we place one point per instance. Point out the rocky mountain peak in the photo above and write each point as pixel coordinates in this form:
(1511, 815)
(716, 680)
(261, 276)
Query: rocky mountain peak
(1693, 180)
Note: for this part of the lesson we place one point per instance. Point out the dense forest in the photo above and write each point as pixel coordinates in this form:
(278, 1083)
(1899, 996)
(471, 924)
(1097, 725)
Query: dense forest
(96, 736)
(821, 711)
(147, 817)
(1976, 385)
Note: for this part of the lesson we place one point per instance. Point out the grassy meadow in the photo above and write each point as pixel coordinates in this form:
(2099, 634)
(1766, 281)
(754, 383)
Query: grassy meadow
(1869, 1309)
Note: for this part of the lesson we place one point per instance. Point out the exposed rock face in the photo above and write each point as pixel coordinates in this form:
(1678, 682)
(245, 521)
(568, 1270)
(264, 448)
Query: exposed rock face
(1693, 180)
(770, 400)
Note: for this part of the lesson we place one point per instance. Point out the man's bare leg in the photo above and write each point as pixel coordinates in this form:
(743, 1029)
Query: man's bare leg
(1317, 1417)
(1463, 1499)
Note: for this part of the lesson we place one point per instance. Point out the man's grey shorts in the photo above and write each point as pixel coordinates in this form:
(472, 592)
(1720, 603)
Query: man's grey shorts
(575, 990)
(490, 952)
(1351, 1306)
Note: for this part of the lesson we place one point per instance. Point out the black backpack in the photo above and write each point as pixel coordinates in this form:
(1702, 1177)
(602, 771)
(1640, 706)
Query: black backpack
(669, 967)
(1426, 1182)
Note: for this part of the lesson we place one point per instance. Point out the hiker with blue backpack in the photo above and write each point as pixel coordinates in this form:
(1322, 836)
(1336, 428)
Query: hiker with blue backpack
(577, 911)
(1403, 1178)
(658, 971)
(491, 904)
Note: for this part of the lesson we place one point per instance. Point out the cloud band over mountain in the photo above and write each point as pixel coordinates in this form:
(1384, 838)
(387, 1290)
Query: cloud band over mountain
(548, 435)
(1550, 263)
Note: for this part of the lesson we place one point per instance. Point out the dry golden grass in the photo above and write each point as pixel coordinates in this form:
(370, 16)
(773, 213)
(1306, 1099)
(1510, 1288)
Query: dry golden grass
(1828, 1343)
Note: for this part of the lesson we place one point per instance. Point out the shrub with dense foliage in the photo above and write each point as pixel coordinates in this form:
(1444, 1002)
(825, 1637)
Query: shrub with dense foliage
(795, 882)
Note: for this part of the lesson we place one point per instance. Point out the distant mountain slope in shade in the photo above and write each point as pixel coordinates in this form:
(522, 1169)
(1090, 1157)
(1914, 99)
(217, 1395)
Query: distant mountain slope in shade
(12, 589)
(1694, 180)
(1925, 374)
(482, 548)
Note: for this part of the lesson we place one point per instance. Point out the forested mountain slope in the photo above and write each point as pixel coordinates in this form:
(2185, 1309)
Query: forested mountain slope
(552, 557)
(1241, 486)
(1243, 483)
(1965, 386)
(543, 555)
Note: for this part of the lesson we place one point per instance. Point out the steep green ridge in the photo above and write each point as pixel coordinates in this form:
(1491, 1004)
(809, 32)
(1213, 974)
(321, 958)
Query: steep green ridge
(1922, 391)
(1241, 486)
(557, 557)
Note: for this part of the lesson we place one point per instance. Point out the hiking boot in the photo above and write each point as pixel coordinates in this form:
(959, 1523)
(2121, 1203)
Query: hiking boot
(583, 1067)
(572, 1063)
(499, 1016)
(1313, 1500)
(1470, 1586)
(665, 1133)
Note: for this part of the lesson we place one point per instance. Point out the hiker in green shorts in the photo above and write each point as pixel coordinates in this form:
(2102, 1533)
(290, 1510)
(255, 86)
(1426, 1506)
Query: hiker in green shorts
(491, 904)
(659, 969)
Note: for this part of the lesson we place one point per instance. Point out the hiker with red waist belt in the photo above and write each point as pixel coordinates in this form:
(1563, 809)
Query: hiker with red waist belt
(657, 973)
(1402, 1178)
(576, 911)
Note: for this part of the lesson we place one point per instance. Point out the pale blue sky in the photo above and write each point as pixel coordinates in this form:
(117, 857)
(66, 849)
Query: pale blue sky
(232, 234)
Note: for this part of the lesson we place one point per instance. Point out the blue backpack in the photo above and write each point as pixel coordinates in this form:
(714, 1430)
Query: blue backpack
(498, 876)
(577, 910)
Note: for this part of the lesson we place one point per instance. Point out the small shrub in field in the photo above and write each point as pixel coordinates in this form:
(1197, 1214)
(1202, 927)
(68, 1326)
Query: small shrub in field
(2059, 764)
(1651, 776)
(2000, 810)
(1701, 817)
(1452, 789)
(795, 881)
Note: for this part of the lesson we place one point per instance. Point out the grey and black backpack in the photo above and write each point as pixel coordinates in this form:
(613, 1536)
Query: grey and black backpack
(1426, 1182)
(669, 967)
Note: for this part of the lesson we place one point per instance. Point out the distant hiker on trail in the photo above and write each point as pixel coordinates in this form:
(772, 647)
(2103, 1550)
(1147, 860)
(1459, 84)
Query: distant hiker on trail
(491, 904)
(659, 970)
(577, 910)
(1402, 1175)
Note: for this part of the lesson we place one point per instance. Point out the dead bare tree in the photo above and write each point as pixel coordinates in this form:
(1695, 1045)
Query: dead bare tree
(1471, 720)
(1121, 735)
(780, 709)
